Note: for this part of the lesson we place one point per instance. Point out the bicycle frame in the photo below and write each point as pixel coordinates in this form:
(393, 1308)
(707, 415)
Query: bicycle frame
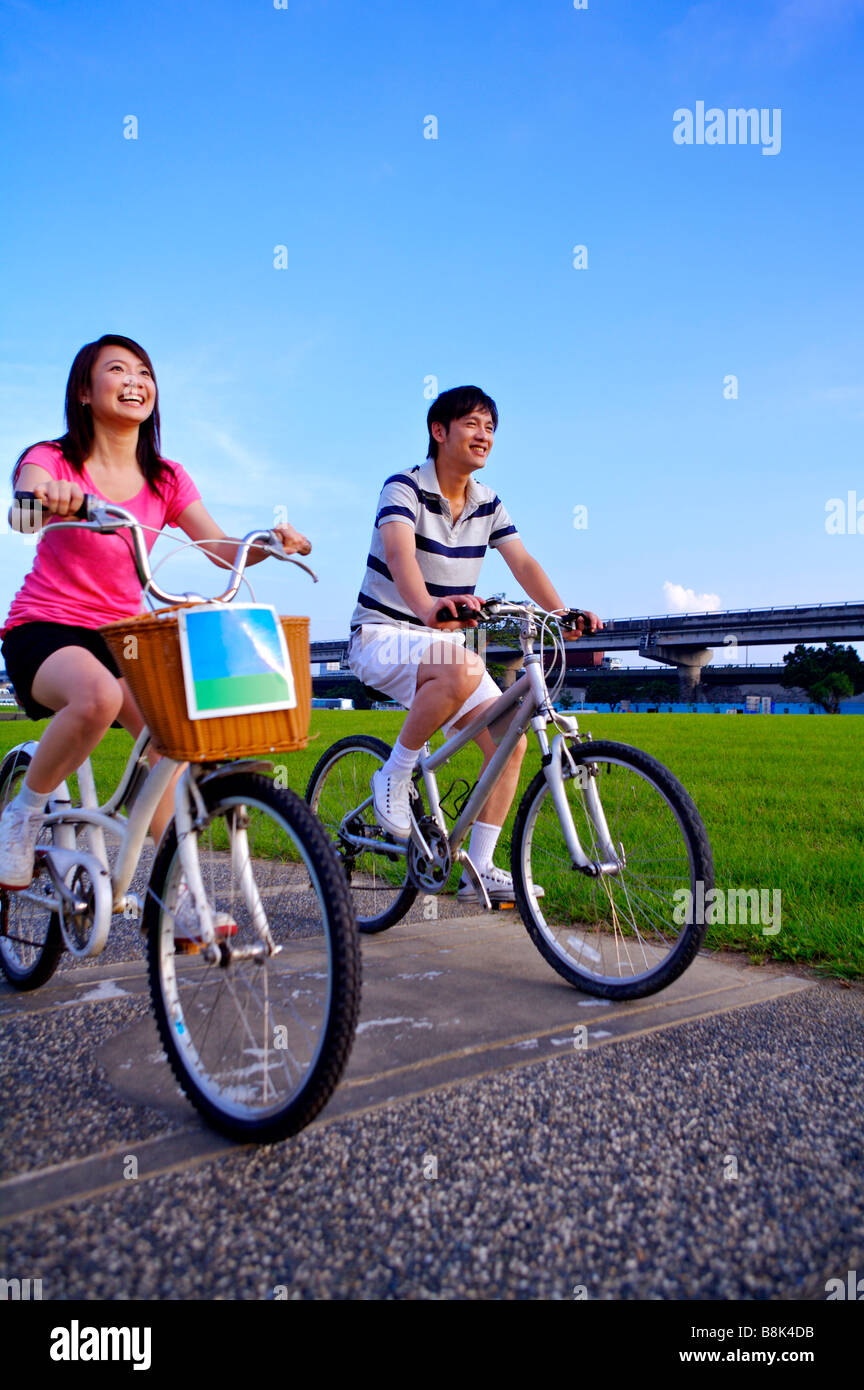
(101, 820)
(529, 692)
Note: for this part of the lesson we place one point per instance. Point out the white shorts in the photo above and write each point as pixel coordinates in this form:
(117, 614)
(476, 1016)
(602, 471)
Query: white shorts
(386, 657)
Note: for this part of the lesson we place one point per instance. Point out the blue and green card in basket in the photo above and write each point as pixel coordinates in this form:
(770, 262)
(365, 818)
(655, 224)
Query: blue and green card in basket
(235, 660)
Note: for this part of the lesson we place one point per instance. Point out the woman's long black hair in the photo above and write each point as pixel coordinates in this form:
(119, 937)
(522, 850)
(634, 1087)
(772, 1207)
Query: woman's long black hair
(76, 444)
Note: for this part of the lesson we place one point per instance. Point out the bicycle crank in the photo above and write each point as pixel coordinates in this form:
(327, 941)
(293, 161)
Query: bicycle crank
(84, 899)
(430, 872)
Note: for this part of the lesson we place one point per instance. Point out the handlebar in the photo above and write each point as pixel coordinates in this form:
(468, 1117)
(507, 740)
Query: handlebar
(494, 609)
(96, 514)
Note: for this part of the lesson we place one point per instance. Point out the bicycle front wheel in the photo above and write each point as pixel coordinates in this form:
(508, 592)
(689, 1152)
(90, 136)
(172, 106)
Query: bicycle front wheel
(341, 782)
(621, 935)
(30, 939)
(258, 1040)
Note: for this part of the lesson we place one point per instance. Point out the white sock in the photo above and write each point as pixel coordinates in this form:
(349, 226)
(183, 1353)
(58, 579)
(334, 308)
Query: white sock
(402, 761)
(32, 802)
(484, 838)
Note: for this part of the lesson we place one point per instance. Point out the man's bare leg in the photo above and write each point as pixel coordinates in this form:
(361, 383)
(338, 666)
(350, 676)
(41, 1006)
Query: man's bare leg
(500, 799)
(446, 677)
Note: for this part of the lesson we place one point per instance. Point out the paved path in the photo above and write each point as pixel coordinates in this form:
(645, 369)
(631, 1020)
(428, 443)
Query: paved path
(497, 1134)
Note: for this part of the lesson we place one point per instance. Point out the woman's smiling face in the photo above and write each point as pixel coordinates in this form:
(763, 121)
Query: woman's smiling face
(122, 387)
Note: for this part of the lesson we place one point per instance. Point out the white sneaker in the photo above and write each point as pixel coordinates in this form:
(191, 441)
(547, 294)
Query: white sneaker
(19, 831)
(391, 801)
(187, 933)
(498, 884)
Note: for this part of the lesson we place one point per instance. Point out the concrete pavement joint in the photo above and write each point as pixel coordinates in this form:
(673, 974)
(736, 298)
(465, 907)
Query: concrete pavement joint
(215, 1147)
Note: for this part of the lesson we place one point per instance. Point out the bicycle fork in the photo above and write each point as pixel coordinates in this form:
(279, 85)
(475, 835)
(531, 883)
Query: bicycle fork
(189, 813)
(611, 861)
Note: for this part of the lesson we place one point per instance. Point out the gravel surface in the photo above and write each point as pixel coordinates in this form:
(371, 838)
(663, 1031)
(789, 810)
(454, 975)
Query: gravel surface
(721, 1159)
(57, 1104)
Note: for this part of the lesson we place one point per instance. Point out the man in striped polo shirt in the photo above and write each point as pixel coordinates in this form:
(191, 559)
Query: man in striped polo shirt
(432, 527)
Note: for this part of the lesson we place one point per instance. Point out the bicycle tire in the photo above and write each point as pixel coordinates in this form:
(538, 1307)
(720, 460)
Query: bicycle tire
(213, 1019)
(615, 936)
(31, 942)
(379, 900)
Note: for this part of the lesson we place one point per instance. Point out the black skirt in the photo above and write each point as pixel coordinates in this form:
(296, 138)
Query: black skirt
(25, 648)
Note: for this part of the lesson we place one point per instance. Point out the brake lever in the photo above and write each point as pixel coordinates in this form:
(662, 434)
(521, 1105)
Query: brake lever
(569, 620)
(294, 561)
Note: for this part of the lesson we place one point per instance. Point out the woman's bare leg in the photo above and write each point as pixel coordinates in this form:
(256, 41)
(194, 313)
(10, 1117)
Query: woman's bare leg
(132, 720)
(87, 699)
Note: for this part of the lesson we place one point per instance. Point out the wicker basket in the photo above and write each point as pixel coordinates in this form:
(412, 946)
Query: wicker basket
(154, 670)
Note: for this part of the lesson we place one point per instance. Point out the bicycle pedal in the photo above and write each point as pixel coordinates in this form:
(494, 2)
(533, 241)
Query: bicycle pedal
(503, 906)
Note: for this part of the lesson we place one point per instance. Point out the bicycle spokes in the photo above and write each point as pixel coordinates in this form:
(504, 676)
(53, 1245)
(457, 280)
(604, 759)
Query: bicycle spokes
(617, 929)
(249, 1022)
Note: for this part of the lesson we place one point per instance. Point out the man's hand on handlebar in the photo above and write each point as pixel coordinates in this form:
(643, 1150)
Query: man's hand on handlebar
(440, 607)
(578, 622)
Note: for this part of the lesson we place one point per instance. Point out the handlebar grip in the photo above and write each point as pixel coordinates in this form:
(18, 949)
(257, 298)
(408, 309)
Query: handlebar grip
(463, 614)
(273, 546)
(26, 510)
(573, 615)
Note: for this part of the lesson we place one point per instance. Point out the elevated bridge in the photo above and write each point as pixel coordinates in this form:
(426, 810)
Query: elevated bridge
(687, 640)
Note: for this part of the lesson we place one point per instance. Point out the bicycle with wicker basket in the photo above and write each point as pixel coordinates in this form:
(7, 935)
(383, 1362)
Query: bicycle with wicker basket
(257, 1005)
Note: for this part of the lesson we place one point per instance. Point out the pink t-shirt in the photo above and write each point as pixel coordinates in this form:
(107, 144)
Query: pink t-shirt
(85, 579)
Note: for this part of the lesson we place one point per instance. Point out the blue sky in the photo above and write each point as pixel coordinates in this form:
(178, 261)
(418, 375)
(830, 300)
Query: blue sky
(408, 258)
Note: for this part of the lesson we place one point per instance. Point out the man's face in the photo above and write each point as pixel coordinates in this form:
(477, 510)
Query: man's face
(468, 441)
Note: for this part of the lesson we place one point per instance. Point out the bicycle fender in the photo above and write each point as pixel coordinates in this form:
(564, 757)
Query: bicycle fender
(29, 747)
(228, 769)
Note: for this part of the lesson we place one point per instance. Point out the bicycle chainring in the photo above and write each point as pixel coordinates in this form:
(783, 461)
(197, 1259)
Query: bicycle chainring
(430, 875)
(77, 927)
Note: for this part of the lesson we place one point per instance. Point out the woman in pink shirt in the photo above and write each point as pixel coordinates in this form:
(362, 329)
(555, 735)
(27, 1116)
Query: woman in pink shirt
(55, 657)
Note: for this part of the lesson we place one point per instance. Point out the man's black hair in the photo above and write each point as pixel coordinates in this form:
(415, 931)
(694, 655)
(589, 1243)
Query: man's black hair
(453, 405)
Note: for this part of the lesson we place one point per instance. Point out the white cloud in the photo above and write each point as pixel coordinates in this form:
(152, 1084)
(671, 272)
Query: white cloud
(681, 600)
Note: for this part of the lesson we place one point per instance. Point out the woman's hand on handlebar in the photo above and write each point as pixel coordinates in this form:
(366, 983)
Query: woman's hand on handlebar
(293, 543)
(58, 497)
(451, 604)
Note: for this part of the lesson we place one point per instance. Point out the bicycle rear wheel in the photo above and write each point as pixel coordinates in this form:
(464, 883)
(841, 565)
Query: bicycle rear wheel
(259, 1041)
(623, 935)
(30, 939)
(341, 781)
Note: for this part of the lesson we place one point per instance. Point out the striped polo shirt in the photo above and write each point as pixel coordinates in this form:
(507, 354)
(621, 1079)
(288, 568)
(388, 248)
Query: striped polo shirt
(449, 553)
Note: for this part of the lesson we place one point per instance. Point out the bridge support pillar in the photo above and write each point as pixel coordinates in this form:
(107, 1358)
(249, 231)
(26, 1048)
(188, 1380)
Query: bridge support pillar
(512, 670)
(689, 661)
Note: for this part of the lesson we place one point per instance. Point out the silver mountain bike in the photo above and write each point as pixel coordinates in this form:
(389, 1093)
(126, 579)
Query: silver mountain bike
(607, 846)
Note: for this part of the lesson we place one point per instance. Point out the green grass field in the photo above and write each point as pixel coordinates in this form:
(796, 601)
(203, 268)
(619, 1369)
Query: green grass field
(782, 800)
